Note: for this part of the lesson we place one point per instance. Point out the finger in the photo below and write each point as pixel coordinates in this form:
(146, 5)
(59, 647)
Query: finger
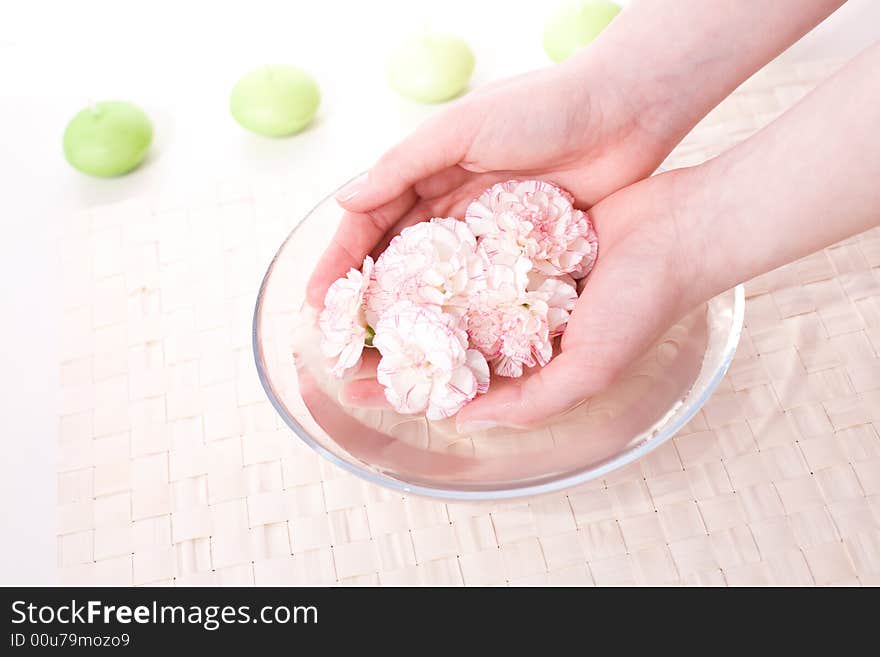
(369, 363)
(551, 390)
(442, 182)
(364, 393)
(465, 187)
(621, 312)
(437, 144)
(356, 236)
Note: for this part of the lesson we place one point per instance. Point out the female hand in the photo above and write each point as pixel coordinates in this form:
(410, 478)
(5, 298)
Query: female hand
(674, 240)
(642, 283)
(601, 120)
(589, 139)
(592, 125)
(806, 181)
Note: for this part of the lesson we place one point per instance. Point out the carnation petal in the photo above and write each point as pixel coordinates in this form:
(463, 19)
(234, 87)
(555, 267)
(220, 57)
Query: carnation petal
(537, 219)
(448, 399)
(478, 365)
(343, 322)
(425, 364)
(432, 262)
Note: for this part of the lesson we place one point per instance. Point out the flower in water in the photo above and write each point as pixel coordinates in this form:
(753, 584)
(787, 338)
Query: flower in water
(432, 263)
(560, 295)
(535, 219)
(513, 320)
(426, 365)
(447, 298)
(343, 323)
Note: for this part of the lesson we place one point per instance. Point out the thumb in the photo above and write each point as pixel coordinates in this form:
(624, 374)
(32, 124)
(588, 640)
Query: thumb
(559, 386)
(628, 301)
(437, 144)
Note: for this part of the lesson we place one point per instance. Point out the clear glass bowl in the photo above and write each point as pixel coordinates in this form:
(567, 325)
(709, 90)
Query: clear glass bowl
(644, 409)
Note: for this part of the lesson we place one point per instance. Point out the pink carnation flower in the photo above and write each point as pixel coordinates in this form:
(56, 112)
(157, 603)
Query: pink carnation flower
(343, 321)
(431, 263)
(560, 295)
(514, 319)
(426, 365)
(535, 219)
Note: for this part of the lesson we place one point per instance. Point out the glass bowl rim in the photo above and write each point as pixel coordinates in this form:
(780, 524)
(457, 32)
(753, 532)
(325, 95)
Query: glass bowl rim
(622, 459)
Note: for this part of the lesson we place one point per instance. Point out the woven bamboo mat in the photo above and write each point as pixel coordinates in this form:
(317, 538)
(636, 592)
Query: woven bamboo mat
(173, 467)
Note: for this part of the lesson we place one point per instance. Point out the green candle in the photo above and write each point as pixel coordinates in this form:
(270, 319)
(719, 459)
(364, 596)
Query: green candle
(108, 139)
(432, 68)
(275, 101)
(576, 25)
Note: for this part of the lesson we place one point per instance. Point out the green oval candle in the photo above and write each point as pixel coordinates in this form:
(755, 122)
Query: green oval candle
(275, 101)
(577, 25)
(108, 139)
(432, 68)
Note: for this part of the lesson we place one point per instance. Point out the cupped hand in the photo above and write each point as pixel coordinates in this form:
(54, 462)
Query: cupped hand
(645, 279)
(570, 124)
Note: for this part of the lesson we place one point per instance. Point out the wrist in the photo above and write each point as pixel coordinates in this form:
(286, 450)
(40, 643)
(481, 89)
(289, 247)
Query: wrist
(713, 252)
(633, 100)
(667, 219)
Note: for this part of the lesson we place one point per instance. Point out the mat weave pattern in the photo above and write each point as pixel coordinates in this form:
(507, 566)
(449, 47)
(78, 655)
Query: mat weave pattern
(174, 469)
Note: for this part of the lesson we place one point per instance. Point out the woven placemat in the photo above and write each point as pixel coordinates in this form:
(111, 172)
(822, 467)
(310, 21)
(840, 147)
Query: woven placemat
(174, 468)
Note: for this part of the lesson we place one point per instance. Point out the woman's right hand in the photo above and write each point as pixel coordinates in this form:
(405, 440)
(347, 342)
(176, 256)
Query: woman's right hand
(571, 124)
(599, 121)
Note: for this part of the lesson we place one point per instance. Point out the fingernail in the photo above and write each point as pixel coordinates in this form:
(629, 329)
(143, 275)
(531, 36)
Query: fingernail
(475, 425)
(351, 189)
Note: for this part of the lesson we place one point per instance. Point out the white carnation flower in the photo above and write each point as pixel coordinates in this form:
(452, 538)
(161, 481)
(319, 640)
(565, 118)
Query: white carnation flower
(431, 263)
(560, 295)
(426, 365)
(513, 320)
(535, 219)
(343, 323)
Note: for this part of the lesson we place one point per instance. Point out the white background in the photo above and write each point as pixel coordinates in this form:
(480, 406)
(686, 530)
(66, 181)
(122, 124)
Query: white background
(179, 60)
